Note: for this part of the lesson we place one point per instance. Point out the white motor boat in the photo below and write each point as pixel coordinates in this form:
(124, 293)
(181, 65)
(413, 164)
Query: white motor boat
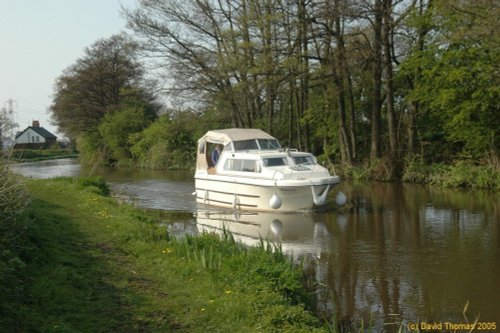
(253, 172)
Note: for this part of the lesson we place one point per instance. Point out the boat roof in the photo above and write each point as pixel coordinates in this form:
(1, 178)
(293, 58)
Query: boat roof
(225, 136)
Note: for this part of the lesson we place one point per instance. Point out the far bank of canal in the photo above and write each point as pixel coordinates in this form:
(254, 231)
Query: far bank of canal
(396, 252)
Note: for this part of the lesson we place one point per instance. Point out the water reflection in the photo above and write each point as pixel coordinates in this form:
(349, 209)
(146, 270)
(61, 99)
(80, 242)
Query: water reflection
(413, 252)
(298, 234)
(48, 169)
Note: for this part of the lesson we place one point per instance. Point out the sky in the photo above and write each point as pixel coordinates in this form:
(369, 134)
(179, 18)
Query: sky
(41, 38)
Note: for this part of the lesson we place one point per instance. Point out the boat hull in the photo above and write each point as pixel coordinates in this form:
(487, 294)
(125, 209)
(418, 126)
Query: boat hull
(262, 194)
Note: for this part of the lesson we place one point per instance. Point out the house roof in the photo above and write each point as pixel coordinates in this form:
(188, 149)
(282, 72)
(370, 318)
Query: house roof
(40, 131)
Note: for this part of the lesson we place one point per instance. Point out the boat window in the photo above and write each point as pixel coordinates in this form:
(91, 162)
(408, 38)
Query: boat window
(268, 144)
(274, 161)
(304, 160)
(234, 164)
(201, 148)
(245, 145)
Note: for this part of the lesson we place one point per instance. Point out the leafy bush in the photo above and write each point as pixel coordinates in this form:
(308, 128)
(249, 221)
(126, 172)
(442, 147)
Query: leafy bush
(21, 155)
(89, 146)
(95, 184)
(461, 174)
(168, 143)
(488, 178)
(14, 243)
(117, 128)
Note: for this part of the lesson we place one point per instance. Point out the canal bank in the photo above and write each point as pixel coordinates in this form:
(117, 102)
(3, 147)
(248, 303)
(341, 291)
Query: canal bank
(396, 252)
(99, 266)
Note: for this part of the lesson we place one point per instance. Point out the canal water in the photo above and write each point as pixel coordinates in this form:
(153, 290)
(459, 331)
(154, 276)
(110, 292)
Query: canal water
(396, 254)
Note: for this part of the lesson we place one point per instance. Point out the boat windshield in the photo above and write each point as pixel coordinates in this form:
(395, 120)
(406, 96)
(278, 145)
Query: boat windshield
(275, 161)
(245, 145)
(259, 144)
(268, 144)
(303, 160)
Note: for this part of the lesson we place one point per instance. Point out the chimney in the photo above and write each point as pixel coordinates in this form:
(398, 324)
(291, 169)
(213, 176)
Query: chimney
(36, 123)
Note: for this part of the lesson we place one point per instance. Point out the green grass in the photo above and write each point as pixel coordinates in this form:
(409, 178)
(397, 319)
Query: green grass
(98, 266)
(31, 155)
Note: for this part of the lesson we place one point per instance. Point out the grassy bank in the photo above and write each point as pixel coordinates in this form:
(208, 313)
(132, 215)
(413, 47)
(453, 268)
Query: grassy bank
(97, 266)
(32, 155)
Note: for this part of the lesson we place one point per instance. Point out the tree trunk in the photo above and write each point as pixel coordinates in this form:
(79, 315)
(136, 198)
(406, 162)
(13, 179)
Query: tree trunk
(388, 82)
(304, 69)
(377, 81)
(340, 79)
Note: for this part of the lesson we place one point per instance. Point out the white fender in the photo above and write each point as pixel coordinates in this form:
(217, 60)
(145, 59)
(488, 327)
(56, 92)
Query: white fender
(277, 227)
(340, 199)
(275, 201)
(320, 200)
(236, 202)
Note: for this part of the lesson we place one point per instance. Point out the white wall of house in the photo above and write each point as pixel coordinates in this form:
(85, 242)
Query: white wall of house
(30, 136)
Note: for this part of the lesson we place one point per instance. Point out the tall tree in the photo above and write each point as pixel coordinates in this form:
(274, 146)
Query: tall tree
(100, 82)
(106, 81)
(390, 23)
(457, 88)
(353, 78)
(377, 80)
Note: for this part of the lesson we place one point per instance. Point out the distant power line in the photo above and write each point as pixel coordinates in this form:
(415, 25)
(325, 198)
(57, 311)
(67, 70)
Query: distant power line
(10, 105)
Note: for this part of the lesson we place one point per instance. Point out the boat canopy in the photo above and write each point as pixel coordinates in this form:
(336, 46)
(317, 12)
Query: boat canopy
(226, 136)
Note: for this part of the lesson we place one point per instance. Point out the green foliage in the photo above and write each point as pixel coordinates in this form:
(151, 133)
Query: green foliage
(15, 245)
(90, 147)
(117, 128)
(380, 169)
(455, 81)
(23, 155)
(461, 174)
(102, 99)
(100, 82)
(149, 148)
(96, 184)
(466, 97)
(169, 142)
(239, 68)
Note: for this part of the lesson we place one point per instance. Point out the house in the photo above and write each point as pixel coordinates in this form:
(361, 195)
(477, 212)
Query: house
(34, 137)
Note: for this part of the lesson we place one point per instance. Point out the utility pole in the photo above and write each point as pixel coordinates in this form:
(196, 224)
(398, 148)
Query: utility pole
(1, 135)
(7, 121)
(10, 103)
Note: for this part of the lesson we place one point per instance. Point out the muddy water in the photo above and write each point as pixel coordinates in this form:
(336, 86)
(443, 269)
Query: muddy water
(396, 253)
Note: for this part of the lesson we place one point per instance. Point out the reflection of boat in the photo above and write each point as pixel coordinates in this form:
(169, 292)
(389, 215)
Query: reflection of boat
(255, 173)
(296, 234)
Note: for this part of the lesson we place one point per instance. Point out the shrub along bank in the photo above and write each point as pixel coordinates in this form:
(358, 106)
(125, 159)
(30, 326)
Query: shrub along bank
(30, 155)
(460, 174)
(15, 244)
(95, 265)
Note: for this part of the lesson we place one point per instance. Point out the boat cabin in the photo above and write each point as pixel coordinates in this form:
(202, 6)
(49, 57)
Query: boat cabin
(233, 140)
(247, 150)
